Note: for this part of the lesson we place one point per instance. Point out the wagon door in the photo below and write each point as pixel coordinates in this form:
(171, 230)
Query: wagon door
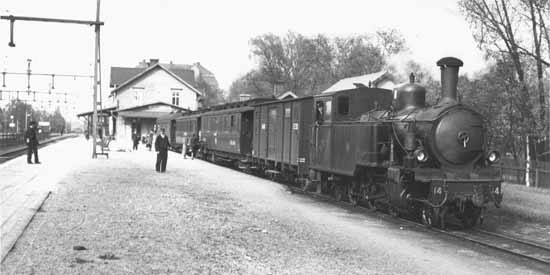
(272, 132)
(287, 132)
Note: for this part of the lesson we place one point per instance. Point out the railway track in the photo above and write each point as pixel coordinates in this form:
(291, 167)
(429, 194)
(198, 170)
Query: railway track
(525, 249)
(23, 150)
(508, 244)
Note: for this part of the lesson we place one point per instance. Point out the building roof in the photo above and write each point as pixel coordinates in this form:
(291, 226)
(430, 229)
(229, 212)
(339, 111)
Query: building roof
(286, 95)
(130, 109)
(177, 74)
(151, 104)
(100, 111)
(120, 75)
(367, 80)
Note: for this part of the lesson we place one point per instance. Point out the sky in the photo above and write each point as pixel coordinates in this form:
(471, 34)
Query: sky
(214, 33)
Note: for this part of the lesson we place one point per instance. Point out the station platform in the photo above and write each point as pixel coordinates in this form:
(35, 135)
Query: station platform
(23, 187)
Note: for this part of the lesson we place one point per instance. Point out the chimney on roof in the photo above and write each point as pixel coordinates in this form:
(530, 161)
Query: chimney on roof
(153, 61)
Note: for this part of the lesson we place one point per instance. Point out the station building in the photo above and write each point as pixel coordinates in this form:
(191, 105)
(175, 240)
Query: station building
(142, 94)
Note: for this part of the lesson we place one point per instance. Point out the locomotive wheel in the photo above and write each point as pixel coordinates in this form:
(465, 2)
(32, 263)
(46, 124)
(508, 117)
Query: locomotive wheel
(427, 216)
(352, 195)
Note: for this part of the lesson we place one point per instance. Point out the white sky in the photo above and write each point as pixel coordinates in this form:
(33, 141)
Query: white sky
(215, 33)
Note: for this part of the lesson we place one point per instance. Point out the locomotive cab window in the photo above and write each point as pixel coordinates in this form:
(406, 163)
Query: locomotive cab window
(343, 105)
(328, 111)
(319, 110)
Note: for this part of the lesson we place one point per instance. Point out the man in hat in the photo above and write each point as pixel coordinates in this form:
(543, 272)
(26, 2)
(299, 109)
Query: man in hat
(161, 146)
(32, 143)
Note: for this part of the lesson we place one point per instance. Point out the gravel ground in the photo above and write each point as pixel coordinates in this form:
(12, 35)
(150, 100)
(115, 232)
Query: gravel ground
(118, 216)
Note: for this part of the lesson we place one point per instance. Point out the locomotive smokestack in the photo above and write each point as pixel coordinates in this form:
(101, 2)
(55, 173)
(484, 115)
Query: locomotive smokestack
(449, 77)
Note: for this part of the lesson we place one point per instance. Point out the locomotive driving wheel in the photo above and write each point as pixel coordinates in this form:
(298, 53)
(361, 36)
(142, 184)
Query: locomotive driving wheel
(427, 216)
(353, 192)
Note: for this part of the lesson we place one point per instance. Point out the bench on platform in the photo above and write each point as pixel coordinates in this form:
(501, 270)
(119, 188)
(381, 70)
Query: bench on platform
(104, 145)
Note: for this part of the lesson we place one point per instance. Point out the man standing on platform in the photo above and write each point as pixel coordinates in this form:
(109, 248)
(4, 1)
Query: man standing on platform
(135, 140)
(161, 146)
(32, 143)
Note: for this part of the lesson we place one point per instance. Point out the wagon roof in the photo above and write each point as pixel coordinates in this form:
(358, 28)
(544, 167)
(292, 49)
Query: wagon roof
(275, 101)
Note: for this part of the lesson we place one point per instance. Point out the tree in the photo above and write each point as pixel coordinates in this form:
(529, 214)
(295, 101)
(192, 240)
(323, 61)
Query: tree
(308, 65)
(296, 61)
(254, 83)
(212, 95)
(57, 122)
(357, 56)
(497, 27)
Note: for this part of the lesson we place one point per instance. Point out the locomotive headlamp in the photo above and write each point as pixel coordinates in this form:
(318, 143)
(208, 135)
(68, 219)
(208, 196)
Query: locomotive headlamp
(421, 156)
(493, 156)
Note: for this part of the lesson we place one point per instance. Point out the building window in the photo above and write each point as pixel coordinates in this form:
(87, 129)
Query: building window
(176, 98)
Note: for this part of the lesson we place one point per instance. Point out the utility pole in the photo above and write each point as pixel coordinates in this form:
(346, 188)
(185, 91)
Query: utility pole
(96, 61)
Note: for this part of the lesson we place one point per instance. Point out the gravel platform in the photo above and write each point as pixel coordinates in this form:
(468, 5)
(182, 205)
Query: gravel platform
(119, 216)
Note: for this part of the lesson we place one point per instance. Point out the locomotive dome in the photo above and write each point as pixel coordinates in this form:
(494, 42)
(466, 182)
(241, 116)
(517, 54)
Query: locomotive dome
(410, 95)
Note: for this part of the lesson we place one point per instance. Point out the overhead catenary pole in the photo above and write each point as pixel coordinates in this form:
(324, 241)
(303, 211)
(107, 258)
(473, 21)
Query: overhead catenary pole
(96, 63)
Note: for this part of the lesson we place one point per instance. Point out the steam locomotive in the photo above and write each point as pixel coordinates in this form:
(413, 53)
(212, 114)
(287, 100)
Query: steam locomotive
(365, 145)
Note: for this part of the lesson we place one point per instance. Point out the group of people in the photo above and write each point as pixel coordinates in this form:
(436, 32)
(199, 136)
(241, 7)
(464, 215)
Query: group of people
(162, 144)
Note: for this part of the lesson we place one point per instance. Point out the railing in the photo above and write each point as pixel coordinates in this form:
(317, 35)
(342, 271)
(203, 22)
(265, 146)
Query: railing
(539, 176)
(12, 139)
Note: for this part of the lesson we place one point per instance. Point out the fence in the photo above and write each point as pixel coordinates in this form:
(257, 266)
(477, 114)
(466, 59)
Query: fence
(12, 139)
(539, 174)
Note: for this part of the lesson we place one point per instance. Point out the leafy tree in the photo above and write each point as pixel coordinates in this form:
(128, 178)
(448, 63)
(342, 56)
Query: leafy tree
(212, 95)
(308, 65)
(254, 83)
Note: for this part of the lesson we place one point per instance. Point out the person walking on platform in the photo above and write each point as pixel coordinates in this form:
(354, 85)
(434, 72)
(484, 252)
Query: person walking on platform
(135, 140)
(32, 143)
(194, 146)
(161, 147)
(184, 147)
(150, 139)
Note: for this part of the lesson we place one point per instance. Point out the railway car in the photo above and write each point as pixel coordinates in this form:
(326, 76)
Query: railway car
(226, 131)
(186, 126)
(168, 122)
(281, 139)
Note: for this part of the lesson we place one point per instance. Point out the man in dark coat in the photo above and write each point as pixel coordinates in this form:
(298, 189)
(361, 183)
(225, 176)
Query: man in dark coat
(161, 147)
(135, 140)
(194, 146)
(31, 140)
